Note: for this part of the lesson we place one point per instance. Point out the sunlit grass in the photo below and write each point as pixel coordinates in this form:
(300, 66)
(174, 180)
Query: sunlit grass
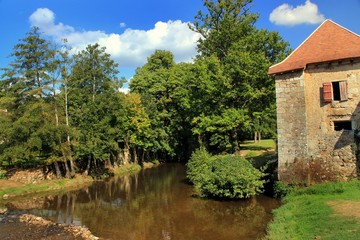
(127, 169)
(306, 213)
(46, 186)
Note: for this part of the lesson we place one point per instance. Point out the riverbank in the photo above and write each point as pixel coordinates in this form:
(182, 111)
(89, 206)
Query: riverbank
(325, 211)
(9, 188)
(27, 226)
(32, 185)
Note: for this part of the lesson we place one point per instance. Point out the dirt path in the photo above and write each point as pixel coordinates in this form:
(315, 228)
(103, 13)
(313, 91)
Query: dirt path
(346, 208)
(9, 183)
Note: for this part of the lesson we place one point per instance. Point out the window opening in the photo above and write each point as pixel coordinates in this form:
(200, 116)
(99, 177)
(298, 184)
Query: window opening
(336, 91)
(342, 125)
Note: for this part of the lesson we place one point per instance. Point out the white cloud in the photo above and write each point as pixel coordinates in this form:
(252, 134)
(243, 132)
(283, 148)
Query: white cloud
(122, 24)
(289, 15)
(129, 49)
(44, 19)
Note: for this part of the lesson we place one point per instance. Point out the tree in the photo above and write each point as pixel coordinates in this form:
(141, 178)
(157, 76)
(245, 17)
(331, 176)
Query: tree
(93, 81)
(225, 22)
(162, 85)
(232, 65)
(32, 135)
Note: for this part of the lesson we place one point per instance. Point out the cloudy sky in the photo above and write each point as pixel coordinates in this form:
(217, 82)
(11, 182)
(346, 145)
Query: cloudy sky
(133, 30)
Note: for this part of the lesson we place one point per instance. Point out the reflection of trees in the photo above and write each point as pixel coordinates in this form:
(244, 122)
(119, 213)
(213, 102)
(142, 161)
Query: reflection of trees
(156, 204)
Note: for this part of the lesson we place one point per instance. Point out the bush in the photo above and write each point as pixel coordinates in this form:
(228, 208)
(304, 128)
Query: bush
(224, 176)
(2, 174)
(281, 189)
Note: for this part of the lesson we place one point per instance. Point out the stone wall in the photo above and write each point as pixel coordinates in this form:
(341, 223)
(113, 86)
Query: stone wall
(291, 117)
(312, 135)
(336, 147)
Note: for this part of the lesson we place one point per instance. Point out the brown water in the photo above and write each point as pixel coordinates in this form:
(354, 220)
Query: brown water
(157, 204)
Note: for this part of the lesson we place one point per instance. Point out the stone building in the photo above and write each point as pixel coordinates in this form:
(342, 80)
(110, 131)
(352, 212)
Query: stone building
(318, 101)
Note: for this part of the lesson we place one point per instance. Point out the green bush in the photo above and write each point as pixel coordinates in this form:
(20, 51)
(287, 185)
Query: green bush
(223, 176)
(281, 189)
(2, 174)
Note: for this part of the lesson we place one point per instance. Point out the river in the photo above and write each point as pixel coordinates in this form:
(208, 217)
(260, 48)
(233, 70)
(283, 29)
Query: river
(156, 204)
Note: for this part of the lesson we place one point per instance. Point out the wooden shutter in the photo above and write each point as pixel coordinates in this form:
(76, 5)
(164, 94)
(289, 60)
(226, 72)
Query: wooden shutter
(343, 91)
(327, 92)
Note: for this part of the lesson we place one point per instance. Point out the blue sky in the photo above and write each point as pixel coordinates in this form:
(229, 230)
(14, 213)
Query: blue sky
(132, 30)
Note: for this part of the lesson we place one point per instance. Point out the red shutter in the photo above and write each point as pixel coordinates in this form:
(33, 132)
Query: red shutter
(343, 91)
(327, 92)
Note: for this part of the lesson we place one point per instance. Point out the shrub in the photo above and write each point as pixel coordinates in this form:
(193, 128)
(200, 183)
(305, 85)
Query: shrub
(2, 174)
(281, 189)
(224, 176)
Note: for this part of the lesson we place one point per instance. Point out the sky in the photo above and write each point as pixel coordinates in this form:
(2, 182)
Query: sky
(131, 30)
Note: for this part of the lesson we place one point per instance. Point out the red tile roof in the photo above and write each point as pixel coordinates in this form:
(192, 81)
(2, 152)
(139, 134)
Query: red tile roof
(328, 42)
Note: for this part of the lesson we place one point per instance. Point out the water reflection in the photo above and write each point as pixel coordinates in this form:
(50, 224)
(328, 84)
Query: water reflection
(155, 204)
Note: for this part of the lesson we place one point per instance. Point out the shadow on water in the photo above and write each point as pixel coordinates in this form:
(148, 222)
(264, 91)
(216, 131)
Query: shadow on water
(155, 204)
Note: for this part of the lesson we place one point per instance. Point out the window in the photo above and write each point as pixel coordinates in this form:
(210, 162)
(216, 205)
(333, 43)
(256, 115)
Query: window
(335, 91)
(342, 125)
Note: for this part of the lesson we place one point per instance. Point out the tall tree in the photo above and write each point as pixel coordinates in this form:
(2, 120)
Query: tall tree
(31, 136)
(162, 85)
(223, 23)
(235, 55)
(93, 79)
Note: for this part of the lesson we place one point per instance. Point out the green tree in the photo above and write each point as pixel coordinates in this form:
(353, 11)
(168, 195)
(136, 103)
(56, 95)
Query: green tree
(232, 66)
(162, 84)
(32, 136)
(93, 80)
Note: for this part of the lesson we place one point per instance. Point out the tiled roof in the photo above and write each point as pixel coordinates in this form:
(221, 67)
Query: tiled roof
(328, 42)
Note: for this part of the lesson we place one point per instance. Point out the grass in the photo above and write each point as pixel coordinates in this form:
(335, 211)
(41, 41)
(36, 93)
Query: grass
(127, 169)
(306, 213)
(259, 153)
(263, 145)
(46, 186)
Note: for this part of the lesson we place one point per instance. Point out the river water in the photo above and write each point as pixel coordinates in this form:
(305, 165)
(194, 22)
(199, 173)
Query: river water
(157, 204)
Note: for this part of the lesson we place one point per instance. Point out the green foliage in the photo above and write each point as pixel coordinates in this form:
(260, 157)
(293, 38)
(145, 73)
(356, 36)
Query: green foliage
(2, 174)
(224, 176)
(65, 111)
(281, 189)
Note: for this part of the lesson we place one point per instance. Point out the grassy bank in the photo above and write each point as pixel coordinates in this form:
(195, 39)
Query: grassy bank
(127, 169)
(9, 190)
(326, 211)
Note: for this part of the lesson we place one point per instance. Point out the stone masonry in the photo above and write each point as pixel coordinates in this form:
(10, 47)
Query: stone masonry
(306, 122)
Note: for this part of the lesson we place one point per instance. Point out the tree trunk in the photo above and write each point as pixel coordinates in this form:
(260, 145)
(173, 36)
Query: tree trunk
(135, 156)
(57, 170)
(88, 166)
(259, 136)
(234, 141)
(72, 165)
(255, 136)
(67, 174)
(126, 152)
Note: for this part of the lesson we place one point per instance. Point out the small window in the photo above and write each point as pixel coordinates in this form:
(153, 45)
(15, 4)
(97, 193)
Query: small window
(335, 91)
(342, 125)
